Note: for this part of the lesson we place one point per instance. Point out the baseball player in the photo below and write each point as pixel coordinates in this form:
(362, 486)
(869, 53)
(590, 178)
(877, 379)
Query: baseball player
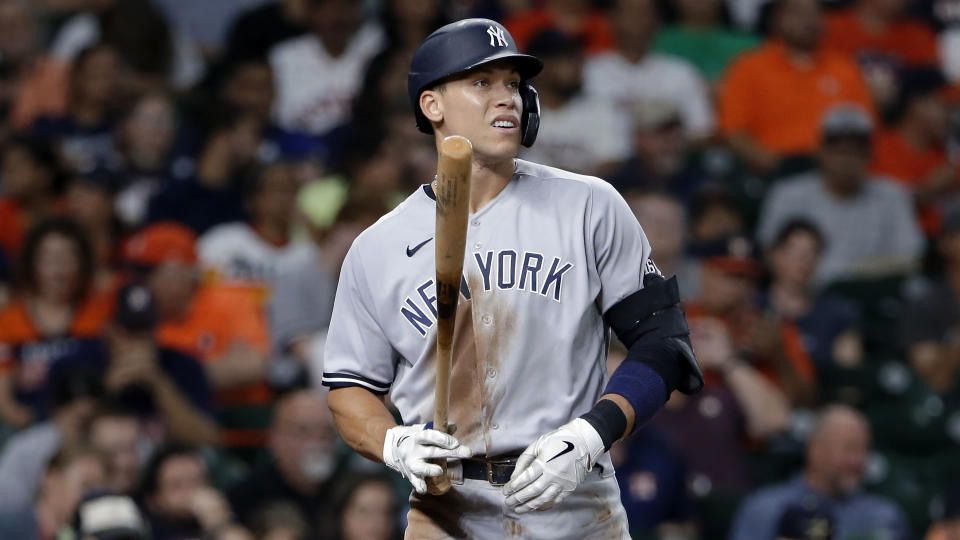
(554, 260)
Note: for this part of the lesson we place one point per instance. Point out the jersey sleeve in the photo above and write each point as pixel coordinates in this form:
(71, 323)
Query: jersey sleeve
(621, 249)
(357, 352)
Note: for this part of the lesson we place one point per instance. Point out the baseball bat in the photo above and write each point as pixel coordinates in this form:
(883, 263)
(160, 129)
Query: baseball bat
(452, 189)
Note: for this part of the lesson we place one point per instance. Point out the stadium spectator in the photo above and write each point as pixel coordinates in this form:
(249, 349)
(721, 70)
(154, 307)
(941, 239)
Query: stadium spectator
(56, 313)
(577, 19)
(146, 141)
(249, 253)
(31, 182)
(248, 87)
(365, 508)
(883, 40)
(156, 53)
(302, 465)
(254, 32)
(73, 400)
(632, 72)
(303, 290)
(914, 150)
(70, 473)
(214, 194)
(83, 134)
(166, 388)
(567, 112)
(114, 432)
(930, 321)
(664, 221)
(661, 158)
(31, 82)
(698, 35)
(770, 343)
(179, 500)
(868, 223)
(712, 430)
(318, 74)
(836, 455)
(772, 97)
(219, 325)
(828, 325)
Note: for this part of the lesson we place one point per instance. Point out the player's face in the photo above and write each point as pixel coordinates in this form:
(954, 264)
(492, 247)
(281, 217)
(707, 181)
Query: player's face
(484, 106)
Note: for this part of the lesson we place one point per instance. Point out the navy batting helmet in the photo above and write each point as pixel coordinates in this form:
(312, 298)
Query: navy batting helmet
(462, 46)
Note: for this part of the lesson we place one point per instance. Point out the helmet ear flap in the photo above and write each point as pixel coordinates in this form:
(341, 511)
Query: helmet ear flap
(530, 118)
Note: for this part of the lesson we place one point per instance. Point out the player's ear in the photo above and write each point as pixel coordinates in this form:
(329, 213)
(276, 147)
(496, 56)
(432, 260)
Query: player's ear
(430, 105)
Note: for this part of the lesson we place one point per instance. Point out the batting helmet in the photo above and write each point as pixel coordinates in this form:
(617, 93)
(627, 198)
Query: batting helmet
(462, 46)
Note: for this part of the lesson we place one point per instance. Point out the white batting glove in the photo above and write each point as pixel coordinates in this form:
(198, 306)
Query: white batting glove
(553, 466)
(406, 450)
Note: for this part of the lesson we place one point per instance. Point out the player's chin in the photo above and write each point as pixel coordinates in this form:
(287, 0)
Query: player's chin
(504, 146)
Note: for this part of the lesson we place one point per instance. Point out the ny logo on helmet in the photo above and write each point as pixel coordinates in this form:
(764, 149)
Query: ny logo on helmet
(497, 33)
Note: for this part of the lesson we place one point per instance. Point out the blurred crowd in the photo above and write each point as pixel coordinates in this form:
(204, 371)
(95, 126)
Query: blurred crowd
(180, 181)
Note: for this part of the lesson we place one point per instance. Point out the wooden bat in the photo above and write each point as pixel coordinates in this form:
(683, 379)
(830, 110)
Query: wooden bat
(452, 189)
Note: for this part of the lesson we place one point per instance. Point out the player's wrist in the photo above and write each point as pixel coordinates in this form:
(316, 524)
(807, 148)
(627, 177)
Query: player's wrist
(607, 421)
(391, 444)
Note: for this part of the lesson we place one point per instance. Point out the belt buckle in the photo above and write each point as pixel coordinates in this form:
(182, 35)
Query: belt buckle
(491, 463)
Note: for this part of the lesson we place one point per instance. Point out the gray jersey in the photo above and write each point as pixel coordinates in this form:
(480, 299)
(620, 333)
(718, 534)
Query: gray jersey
(544, 260)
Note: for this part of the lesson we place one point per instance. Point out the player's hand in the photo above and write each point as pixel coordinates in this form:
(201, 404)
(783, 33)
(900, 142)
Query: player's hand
(553, 466)
(406, 450)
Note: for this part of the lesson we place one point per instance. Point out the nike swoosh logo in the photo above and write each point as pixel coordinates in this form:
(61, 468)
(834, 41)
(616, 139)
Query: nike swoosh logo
(411, 251)
(399, 442)
(562, 452)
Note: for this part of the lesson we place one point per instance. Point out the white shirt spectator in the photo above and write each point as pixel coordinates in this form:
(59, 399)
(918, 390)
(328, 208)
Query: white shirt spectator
(315, 90)
(863, 235)
(580, 136)
(657, 77)
(236, 255)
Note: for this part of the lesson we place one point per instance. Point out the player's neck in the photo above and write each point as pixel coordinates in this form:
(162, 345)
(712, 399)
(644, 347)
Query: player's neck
(487, 180)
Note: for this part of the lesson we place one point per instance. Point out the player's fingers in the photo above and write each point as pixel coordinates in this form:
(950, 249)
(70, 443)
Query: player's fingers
(422, 469)
(523, 462)
(527, 494)
(543, 501)
(419, 485)
(436, 452)
(522, 480)
(435, 438)
(560, 497)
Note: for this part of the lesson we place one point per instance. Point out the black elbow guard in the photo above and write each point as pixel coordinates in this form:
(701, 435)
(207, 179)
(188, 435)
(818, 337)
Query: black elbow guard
(652, 317)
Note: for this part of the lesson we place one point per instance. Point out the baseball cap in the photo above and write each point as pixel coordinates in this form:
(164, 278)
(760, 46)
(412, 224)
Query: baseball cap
(135, 309)
(161, 242)
(652, 115)
(846, 119)
(111, 517)
(735, 255)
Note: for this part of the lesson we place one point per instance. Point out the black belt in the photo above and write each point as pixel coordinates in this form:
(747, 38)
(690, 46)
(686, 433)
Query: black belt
(497, 471)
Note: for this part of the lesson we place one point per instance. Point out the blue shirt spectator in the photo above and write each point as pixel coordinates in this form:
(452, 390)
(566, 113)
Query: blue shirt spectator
(836, 457)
